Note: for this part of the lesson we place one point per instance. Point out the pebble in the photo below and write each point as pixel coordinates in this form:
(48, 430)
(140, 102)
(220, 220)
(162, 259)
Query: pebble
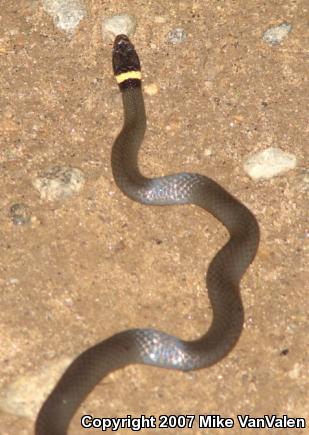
(25, 395)
(59, 182)
(159, 19)
(274, 35)
(151, 89)
(295, 372)
(66, 14)
(268, 163)
(177, 36)
(20, 214)
(122, 24)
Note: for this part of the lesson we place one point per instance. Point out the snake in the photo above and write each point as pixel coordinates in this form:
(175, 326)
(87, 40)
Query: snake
(150, 346)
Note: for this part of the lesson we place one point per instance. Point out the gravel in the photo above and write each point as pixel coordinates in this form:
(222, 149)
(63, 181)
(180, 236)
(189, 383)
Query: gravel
(59, 182)
(122, 24)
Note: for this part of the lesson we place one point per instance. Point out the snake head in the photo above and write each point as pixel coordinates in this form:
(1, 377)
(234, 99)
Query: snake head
(126, 65)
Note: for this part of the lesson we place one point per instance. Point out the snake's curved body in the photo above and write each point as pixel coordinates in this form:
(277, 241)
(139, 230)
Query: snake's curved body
(148, 346)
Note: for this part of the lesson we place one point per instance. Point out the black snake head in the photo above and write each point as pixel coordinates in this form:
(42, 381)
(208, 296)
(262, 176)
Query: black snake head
(126, 64)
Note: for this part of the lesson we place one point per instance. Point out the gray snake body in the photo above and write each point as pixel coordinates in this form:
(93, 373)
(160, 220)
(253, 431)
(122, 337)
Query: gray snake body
(148, 346)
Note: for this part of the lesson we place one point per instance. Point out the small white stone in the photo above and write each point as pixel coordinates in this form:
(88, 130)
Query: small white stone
(207, 152)
(25, 395)
(274, 35)
(268, 163)
(177, 35)
(294, 373)
(66, 13)
(122, 24)
(159, 19)
(151, 89)
(59, 182)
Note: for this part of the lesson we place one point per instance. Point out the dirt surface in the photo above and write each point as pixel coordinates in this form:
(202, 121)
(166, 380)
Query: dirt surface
(90, 266)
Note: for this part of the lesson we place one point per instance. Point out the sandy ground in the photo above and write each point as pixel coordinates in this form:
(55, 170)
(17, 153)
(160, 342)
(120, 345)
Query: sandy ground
(90, 266)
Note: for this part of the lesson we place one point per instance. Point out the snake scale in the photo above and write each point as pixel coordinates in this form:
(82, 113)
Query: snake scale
(149, 346)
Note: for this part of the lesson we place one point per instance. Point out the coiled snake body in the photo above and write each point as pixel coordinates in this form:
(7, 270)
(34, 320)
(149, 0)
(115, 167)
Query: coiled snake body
(148, 346)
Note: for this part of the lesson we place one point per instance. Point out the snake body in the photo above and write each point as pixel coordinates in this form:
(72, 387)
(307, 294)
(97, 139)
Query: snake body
(148, 346)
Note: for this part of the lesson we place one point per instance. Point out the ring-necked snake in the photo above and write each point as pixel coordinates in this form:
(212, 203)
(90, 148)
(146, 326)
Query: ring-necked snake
(148, 346)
